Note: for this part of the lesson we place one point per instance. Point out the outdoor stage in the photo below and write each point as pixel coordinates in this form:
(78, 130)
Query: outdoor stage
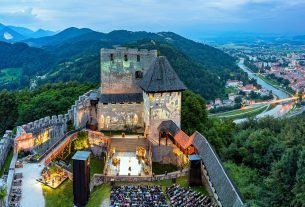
(129, 164)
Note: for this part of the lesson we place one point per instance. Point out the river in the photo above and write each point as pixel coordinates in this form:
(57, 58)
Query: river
(281, 94)
(276, 112)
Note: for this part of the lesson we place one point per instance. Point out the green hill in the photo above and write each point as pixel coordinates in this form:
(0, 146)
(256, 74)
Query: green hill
(73, 54)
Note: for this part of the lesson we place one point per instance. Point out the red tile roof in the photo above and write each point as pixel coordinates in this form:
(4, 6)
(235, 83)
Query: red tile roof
(183, 139)
(24, 136)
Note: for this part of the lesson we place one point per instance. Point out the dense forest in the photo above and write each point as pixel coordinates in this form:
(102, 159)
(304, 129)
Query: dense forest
(266, 158)
(32, 60)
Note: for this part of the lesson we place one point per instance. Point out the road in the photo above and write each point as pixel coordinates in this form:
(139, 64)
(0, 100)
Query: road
(279, 110)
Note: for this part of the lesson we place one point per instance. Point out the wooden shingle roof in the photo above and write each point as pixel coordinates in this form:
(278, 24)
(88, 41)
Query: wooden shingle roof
(161, 77)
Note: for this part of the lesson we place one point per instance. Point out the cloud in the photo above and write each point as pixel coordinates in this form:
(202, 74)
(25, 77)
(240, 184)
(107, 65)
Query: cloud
(24, 16)
(151, 15)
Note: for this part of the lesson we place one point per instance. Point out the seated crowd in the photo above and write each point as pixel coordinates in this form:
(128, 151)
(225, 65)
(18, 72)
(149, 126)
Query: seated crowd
(185, 197)
(140, 196)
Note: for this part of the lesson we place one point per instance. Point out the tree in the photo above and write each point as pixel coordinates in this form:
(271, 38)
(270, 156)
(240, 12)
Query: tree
(299, 187)
(194, 113)
(81, 142)
(8, 110)
(279, 183)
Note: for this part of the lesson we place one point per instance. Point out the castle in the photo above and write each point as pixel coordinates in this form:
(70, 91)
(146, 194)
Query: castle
(139, 93)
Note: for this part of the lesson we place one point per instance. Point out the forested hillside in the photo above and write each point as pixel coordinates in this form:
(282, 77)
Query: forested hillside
(32, 60)
(24, 106)
(19, 63)
(73, 54)
(266, 158)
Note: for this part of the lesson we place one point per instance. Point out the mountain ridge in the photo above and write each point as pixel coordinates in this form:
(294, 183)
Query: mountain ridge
(74, 55)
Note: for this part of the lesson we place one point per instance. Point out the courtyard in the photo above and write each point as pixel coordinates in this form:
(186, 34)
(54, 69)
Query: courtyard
(50, 185)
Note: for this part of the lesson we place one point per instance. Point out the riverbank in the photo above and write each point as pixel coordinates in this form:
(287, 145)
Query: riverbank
(276, 91)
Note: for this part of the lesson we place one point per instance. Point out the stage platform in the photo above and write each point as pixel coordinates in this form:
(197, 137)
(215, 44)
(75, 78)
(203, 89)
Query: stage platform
(129, 164)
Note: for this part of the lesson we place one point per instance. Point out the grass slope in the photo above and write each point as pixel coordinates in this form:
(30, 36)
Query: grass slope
(10, 74)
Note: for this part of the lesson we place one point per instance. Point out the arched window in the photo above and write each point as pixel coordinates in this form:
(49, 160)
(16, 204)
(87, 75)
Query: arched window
(139, 74)
(125, 58)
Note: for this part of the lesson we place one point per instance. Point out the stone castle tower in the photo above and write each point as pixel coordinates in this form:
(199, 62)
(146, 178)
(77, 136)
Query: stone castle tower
(162, 96)
(138, 91)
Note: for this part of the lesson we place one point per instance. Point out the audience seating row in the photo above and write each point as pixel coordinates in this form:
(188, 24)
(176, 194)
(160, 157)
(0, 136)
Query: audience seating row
(137, 196)
(185, 197)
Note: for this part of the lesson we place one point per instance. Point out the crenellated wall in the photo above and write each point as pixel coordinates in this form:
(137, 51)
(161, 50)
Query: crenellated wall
(41, 134)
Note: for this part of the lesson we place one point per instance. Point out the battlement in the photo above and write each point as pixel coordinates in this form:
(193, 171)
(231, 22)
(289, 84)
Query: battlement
(83, 101)
(130, 51)
(44, 122)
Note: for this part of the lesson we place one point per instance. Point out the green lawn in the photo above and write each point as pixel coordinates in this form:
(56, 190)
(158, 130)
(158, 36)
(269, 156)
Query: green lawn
(10, 74)
(243, 113)
(7, 162)
(251, 113)
(62, 196)
(234, 112)
(99, 194)
(230, 90)
(96, 166)
(158, 168)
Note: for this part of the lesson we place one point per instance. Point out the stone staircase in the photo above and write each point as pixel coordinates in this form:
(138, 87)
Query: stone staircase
(128, 144)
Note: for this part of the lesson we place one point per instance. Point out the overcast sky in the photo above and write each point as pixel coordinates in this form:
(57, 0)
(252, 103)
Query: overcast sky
(189, 17)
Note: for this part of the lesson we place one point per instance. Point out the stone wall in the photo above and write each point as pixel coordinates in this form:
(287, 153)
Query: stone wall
(119, 67)
(168, 155)
(42, 134)
(5, 145)
(99, 179)
(160, 107)
(98, 143)
(121, 116)
(81, 111)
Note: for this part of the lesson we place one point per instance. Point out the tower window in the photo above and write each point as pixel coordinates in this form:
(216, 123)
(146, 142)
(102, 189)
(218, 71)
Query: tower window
(125, 58)
(111, 57)
(138, 58)
(139, 74)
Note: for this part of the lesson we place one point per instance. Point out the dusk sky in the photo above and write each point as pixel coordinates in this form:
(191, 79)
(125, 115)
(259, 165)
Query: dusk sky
(190, 18)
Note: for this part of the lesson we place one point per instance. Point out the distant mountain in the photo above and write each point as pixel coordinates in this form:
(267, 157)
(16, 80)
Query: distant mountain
(42, 33)
(58, 38)
(22, 30)
(9, 35)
